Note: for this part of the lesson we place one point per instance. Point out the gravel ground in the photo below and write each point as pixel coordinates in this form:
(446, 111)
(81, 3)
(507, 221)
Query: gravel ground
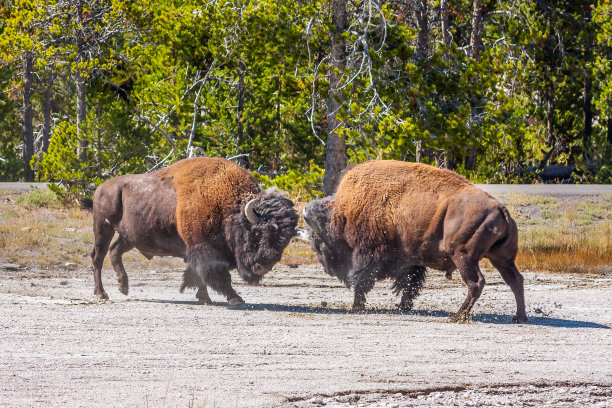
(295, 344)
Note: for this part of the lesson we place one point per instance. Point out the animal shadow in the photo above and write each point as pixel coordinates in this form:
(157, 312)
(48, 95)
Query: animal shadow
(539, 321)
(490, 318)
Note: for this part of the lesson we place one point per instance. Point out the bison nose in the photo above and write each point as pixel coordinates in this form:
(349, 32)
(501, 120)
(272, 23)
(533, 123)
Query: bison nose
(259, 270)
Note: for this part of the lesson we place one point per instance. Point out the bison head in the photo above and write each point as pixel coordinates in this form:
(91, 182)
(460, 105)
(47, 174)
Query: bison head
(333, 252)
(260, 232)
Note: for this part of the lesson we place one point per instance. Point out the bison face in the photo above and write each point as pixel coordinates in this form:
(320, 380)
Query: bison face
(333, 253)
(260, 233)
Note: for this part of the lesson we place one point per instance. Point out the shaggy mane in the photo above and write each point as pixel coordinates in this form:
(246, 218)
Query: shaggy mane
(208, 190)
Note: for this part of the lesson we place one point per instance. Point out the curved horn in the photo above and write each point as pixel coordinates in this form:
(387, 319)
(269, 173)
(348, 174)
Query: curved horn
(249, 212)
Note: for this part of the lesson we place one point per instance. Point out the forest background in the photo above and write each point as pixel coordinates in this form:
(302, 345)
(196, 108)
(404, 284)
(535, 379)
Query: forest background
(499, 91)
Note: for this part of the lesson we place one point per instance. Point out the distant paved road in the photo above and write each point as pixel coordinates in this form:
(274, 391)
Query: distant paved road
(548, 189)
(22, 186)
(495, 189)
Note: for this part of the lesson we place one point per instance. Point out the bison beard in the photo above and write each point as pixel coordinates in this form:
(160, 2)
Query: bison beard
(207, 211)
(391, 219)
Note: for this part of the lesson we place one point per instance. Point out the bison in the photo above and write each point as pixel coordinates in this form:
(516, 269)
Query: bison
(209, 211)
(392, 219)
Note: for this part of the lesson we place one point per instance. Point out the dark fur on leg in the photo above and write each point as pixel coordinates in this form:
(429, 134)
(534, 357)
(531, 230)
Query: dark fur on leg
(409, 282)
(191, 280)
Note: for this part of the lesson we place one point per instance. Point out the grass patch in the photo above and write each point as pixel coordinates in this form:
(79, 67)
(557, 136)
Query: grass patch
(563, 235)
(560, 235)
(37, 232)
(299, 252)
(42, 198)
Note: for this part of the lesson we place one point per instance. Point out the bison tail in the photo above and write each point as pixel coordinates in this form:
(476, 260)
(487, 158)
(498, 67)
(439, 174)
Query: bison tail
(510, 238)
(86, 204)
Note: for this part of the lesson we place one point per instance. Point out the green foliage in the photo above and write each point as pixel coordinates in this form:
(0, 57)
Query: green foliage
(11, 164)
(304, 186)
(251, 79)
(38, 199)
(61, 164)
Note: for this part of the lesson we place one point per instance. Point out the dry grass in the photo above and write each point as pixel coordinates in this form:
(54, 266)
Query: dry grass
(35, 230)
(559, 235)
(562, 234)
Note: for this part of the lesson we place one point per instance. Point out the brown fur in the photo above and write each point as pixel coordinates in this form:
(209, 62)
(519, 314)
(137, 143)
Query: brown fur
(208, 190)
(378, 195)
(387, 216)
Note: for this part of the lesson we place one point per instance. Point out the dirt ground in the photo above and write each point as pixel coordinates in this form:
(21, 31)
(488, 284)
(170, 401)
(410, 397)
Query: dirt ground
(296, 345)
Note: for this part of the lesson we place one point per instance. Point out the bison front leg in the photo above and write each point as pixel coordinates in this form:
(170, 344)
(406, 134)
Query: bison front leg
(362, 276)
(220, 280)
(214, 273)
(192, 280)
(363, 284)
(409, 283)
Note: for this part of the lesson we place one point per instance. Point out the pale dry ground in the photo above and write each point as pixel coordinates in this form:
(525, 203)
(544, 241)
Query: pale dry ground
(295, 344)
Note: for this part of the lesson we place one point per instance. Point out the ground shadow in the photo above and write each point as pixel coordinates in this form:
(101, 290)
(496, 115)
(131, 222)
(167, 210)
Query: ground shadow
(494, 318)
(491, 318)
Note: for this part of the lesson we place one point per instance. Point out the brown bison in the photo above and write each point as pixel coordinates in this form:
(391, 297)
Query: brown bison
(208, 211)
(391, 219)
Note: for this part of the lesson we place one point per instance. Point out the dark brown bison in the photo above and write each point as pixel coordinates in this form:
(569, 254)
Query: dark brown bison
(208, 211)
(391, 219)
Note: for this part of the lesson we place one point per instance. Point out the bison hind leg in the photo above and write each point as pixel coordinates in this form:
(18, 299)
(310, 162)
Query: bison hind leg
(409, 283)
(193, 280)
(511, 275)
(117, 249)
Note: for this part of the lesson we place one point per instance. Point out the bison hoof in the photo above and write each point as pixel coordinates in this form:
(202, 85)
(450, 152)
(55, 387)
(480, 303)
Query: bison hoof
(461, 317)
(520, 319)
(102, 296)
(204, 301)
(236, 301)
(358, 309)
(405, 308)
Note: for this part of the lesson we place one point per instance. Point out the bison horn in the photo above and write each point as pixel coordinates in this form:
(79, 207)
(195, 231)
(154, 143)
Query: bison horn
(249, 212)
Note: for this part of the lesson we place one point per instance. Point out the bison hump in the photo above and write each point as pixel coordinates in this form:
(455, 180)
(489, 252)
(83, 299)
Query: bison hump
(208, 191)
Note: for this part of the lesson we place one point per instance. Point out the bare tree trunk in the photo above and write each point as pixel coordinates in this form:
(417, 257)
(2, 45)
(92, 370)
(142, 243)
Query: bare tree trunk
(448, 159)
(587, 117)
(47, 106)
(478, 21)
(81, 116)
(423, 23)
(80, 88)
(240, 138)
(99, 141)
(550, 122)
(445, 23)
(28, 116)
(476, 47)
(335, 160)
(587, 94)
